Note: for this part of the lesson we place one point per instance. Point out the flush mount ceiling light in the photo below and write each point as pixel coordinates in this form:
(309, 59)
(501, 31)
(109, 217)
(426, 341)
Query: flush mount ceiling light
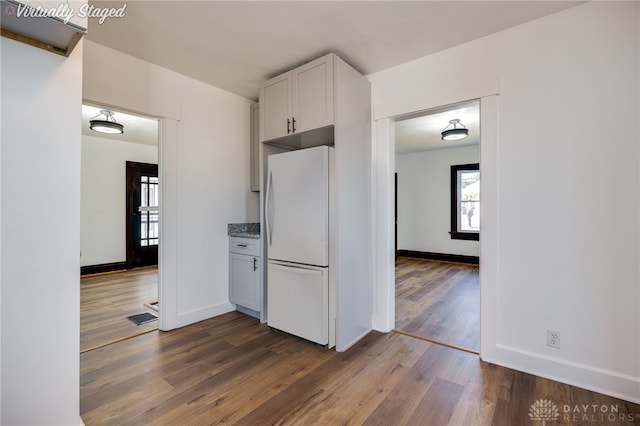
(108, 125)
(455, 130)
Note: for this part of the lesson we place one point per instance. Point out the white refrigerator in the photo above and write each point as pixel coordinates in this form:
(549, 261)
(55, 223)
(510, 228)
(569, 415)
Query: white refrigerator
(297, 211)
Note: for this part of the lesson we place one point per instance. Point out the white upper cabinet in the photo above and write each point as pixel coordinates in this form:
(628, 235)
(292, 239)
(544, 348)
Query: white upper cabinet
(313, 94)
(298, 100)
(275, 107)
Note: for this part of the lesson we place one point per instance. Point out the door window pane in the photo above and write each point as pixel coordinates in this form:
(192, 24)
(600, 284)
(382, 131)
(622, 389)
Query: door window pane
(149, 210)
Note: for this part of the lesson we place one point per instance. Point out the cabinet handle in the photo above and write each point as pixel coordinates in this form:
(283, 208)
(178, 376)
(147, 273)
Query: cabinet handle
(242, 245)
(294, 125)
(255, 263)
(288, 126)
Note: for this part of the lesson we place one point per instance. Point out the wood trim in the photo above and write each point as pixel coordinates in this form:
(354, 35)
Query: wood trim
(455, 234)
(470, 236)
(445, 257)
(437, 342)
(41, 44)
(102, 268)
(395, 213)
(118, 340)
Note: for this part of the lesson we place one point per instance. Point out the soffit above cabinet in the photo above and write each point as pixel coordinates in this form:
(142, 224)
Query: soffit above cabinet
(28, 25)
(310, 138)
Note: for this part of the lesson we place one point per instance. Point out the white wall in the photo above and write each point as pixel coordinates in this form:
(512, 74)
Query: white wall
(103, 196)
(567, 195)
(206, 167)
(41, 110)
(424, 200)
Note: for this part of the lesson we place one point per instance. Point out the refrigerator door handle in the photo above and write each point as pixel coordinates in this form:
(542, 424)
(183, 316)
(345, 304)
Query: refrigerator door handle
(267, 205)
(298, 269)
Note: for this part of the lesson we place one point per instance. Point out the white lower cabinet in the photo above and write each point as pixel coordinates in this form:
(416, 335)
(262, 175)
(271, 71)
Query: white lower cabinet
(244, 273)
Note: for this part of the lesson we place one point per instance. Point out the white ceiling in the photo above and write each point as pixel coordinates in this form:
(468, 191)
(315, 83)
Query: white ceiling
(422, 133)
(235, 45)
(137, 129)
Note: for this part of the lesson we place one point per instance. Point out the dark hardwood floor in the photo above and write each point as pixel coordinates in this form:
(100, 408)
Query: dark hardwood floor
(106, 300)
(438, 300)
(233, 370)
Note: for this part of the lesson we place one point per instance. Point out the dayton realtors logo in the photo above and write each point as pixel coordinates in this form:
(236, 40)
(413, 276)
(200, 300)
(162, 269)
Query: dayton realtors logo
(545, 410)
(64, 12)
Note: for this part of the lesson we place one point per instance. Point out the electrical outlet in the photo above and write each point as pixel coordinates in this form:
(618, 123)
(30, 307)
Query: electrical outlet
(553, 339)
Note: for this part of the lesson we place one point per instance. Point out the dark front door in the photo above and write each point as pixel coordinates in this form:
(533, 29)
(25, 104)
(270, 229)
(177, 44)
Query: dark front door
(142, 214)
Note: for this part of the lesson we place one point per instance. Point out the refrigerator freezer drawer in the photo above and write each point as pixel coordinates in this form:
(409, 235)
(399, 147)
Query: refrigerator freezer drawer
(298, 300)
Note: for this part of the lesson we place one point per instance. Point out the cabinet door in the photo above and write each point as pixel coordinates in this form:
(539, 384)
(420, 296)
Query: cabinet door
(244, 280)
(313, 94)
(275, 107)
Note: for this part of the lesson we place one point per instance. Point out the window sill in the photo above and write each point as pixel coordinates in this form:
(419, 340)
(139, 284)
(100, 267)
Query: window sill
(473, 236)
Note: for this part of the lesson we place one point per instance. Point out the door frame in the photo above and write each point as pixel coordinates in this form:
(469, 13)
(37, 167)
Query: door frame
(167, 206)
(383, 151)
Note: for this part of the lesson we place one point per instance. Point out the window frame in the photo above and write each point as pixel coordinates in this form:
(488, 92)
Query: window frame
(455, 217)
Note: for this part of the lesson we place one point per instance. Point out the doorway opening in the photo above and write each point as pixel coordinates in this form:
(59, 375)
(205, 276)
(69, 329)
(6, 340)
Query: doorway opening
(437, 220)
(119, 223)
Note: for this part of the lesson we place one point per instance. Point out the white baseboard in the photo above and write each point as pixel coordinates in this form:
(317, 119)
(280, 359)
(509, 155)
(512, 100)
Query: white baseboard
(191, 317)
(385, 329)
(607, 382)
(354, 341)
(248, 311)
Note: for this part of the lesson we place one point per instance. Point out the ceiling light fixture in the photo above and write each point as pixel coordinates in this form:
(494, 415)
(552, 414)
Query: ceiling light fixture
(452, 132)
(108, 125)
